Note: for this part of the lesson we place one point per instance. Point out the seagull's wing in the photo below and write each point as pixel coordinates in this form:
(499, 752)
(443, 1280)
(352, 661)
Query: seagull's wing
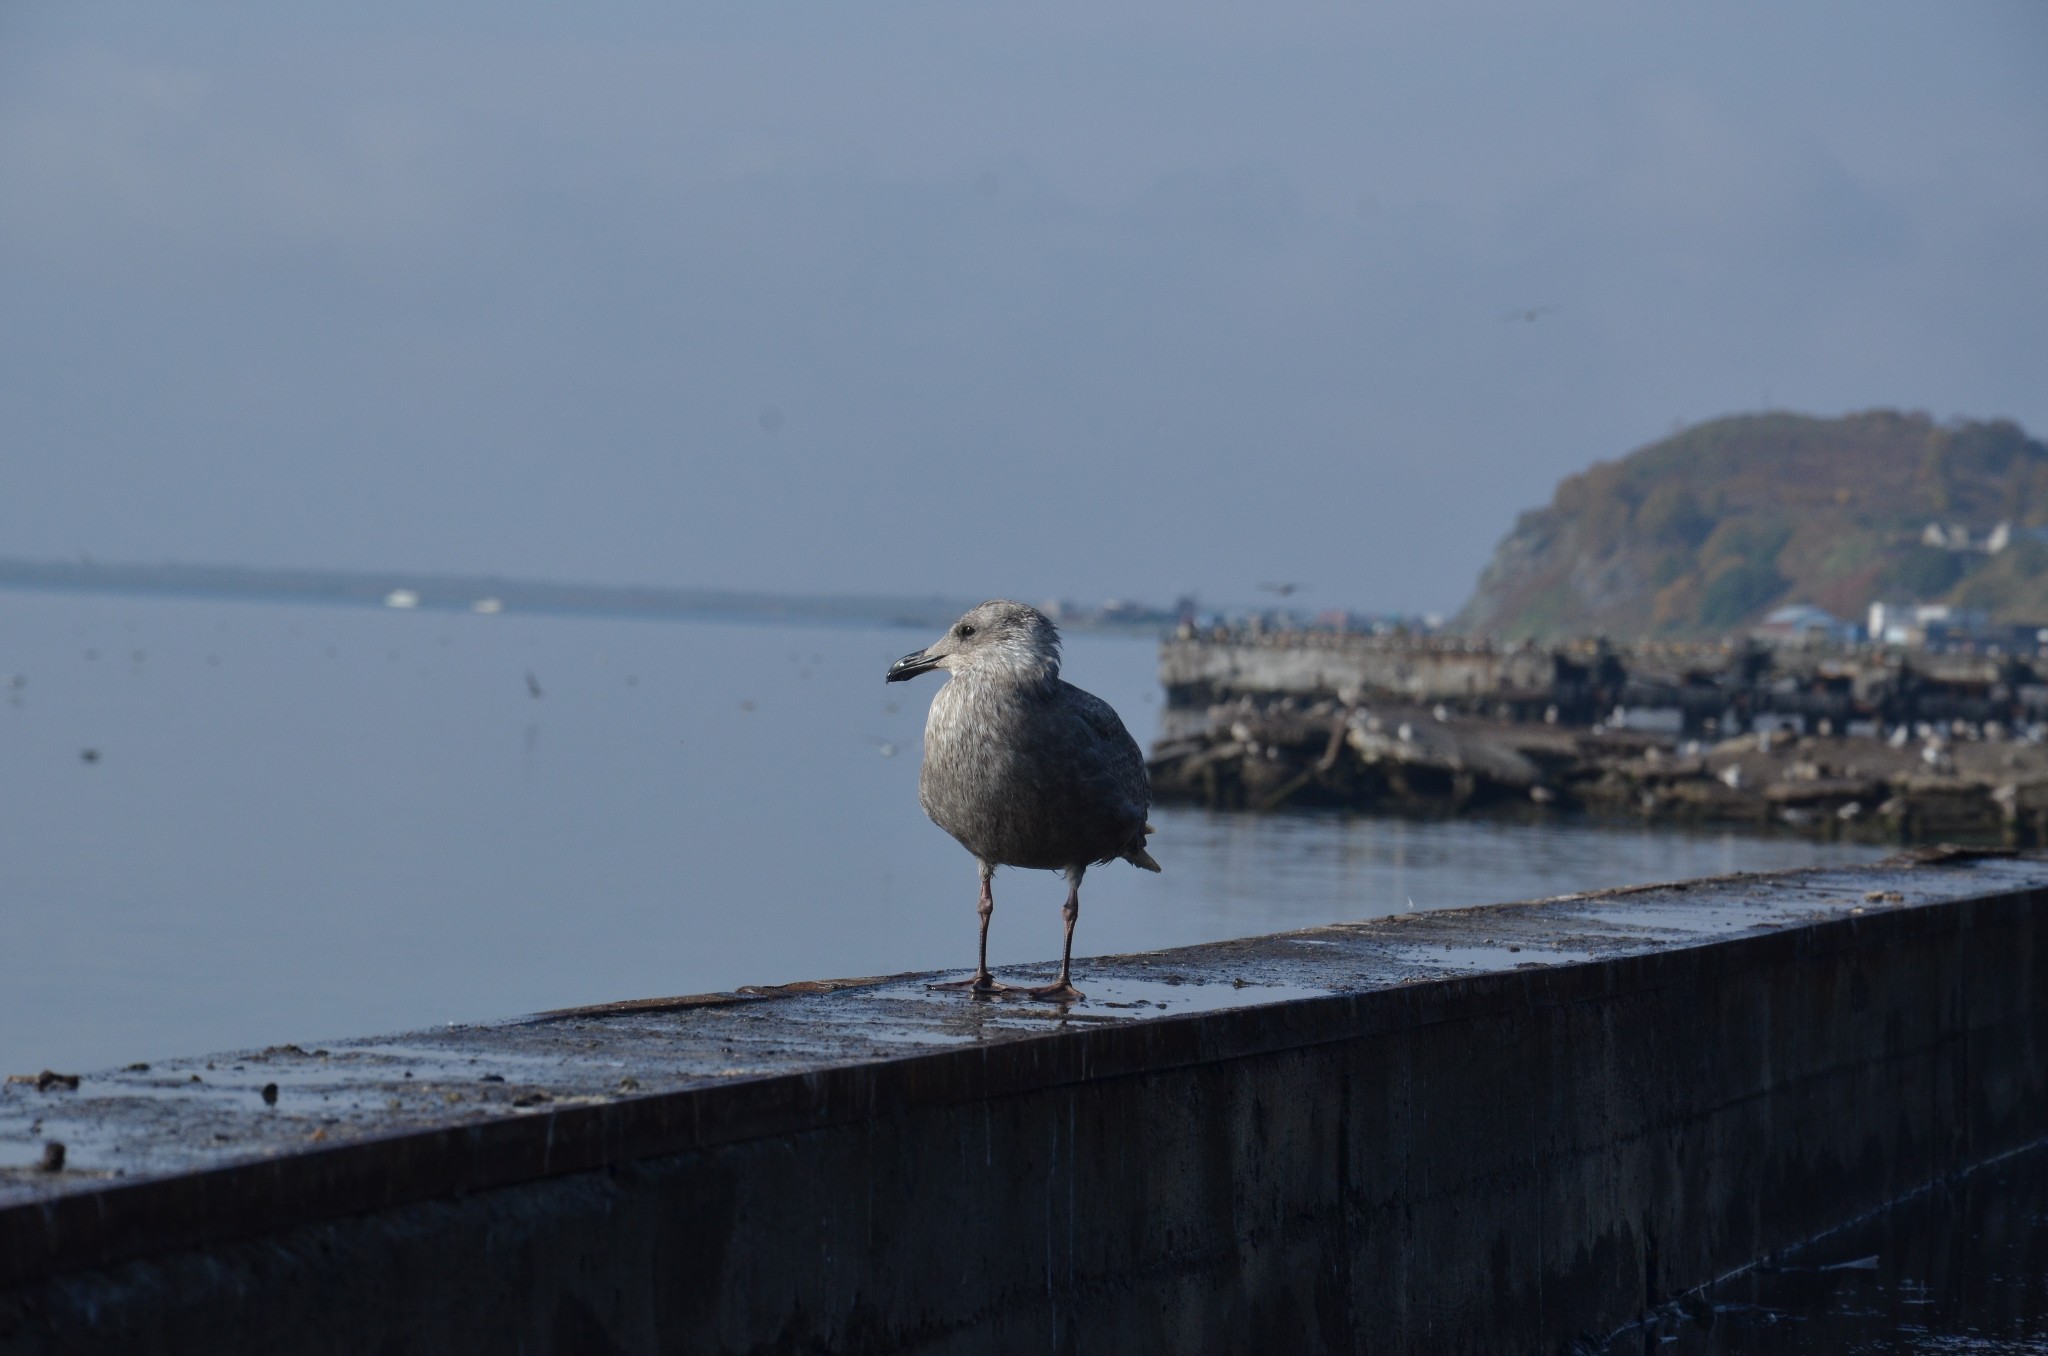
(1118, 760)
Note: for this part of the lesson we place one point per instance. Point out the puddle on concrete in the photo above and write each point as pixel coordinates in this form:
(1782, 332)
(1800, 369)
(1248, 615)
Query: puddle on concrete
(1485, 959)
(1117, 997)
(21, 1156)
(1960, 1268)
(1677, 914)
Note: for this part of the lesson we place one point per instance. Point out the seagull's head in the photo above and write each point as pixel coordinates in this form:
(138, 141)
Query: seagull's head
(1000, 639)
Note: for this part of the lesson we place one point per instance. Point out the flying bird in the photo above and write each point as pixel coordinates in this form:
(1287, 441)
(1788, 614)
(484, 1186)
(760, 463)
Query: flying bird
(1284, 590)
(1025, 769)
(1529, 313)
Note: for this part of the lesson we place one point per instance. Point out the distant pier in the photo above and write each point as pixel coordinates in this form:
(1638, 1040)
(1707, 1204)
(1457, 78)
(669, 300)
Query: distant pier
(1872, 744)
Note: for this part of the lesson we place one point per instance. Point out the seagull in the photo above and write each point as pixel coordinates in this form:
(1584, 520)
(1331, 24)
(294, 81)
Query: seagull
(1282, 590)
(1529, 313)
(1025, 769)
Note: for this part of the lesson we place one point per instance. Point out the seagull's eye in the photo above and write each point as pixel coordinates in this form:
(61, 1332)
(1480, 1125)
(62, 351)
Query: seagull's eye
(963, 630)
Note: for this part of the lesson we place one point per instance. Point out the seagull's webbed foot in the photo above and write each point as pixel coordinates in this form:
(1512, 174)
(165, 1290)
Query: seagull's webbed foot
(984, 982)
(1062, 992)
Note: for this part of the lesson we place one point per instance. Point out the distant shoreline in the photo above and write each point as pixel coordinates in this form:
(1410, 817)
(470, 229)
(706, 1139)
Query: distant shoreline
(399, 590)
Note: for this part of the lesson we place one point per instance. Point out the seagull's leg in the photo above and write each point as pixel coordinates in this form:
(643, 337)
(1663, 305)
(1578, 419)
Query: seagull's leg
(983, 981)
(1062, 990)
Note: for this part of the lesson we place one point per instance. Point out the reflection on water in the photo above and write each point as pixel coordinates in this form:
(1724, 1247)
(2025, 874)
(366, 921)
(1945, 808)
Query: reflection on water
(300, 823)
(1299, 870)
(1960, 1268)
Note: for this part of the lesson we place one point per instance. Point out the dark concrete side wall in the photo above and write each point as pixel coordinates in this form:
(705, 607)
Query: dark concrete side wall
(1486, 1164)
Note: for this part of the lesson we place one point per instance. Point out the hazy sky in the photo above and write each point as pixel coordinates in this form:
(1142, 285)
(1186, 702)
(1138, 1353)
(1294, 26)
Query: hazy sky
(978, 298)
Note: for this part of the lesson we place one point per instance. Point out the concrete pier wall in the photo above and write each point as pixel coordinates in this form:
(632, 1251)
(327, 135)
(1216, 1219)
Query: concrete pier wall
(1473, 1130)
(1582, 683)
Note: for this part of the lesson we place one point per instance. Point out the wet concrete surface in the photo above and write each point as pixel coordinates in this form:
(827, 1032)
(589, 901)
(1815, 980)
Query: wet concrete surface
(1959, 1268)
(1440, 1127)
(185, 1116)
(188, 1115)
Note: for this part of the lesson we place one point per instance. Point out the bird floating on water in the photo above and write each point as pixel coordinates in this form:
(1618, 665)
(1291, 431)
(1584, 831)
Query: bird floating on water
(1025, 769)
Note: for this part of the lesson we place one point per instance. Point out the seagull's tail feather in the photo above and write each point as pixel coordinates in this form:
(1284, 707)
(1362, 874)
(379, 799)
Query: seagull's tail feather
(1140, 857)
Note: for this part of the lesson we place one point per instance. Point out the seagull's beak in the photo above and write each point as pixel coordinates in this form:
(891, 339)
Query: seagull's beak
(910, 666)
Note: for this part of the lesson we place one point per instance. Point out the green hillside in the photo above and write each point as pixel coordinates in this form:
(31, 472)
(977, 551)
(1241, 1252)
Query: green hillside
(1704, 532)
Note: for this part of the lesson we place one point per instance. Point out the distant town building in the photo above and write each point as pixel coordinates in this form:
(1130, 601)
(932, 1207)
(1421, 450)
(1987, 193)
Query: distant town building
(1668, 720)
(1918, 624)
(1956, 537)
(1122, 611)
(1112, 612)
(1804, 624)
(1888, 623)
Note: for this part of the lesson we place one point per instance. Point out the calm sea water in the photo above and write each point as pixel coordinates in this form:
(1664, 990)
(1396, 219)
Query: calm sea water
(232, 824)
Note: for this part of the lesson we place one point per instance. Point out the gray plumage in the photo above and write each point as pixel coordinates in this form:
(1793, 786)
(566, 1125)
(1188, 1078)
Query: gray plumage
(1022, 767)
